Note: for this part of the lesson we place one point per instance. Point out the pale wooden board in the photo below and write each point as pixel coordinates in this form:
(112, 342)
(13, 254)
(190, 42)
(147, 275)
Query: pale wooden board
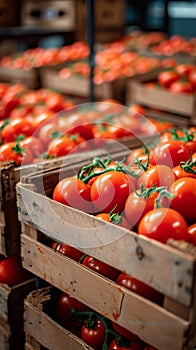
(114, 302)
(49, 333)
(4, 295)
(111, 244)
(159, 98)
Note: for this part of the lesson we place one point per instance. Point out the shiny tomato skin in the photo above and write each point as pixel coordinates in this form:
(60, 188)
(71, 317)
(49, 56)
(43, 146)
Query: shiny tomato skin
(184, 200)
(95, 336)
(166, 78)
(159, 175)
(125, 332)
(68, 251)
(60, 146)
(164, 223)
(192, 233)
(74, 193)
(12, 271)
(170, 153)
(14, 128)
(180, 87)
(33, 144)
(180, 172)
(132, 346)
(107, 217)
(110, 190)
(63, 308)
(100, 267)
(7, 153)
(192, 79)
(184, 69)
(139, 288)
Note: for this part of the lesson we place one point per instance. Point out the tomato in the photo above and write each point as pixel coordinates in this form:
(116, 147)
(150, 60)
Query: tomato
(55, 102)
(100, 267)
(115, 218)
(166, 78)
(68, 251)
(94, 336)
(192, 78)
(139, 288)
(46, 131)
(9, 102)
(63, 310)
(39, 120)
(159, 175)
(181, 172)
(192, 233)
(179, 87)
(84, 130)
(124, 332)
(20, 111)
(60, 146)
(12, 271)
(184, 69)
(110, 190)
(164, 223)
(12, 151)
(116, 345)
(32, 144)
(170, 153)
(74, 193)
(14, 128)
(149, 347)
(184, 200)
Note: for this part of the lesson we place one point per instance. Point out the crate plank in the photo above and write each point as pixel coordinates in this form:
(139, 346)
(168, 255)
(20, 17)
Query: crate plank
(106, 297)
(118, 248)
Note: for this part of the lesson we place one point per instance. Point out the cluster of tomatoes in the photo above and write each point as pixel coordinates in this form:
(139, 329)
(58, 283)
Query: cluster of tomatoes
(174, 45)
(39, 57)
(111, 65)
(93, 328)
(41, 124)
(152, 192)
(180, 79)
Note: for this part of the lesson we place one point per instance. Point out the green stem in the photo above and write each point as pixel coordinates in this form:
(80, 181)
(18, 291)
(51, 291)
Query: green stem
(188, 166)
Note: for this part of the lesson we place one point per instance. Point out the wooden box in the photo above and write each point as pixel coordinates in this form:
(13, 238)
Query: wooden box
(181, 104)
(170, 269)
(57, 13)
(30, 78)
(10, 175)
(11, 314)
(42, 330)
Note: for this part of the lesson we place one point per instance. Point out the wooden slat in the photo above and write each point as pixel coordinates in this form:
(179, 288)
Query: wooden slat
(49, 333)
(115, 302)
(119, 247)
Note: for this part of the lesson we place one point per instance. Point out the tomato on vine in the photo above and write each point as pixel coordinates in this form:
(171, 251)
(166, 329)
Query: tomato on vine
(93, 333)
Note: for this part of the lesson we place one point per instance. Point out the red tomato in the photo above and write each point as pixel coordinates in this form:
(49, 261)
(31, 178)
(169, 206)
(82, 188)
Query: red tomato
(124, 332)
(14, 128)
(12, 151)
(184, 68)
(180, 172)
(60, 146)
(179, 87)
(115, 345)
(46, 131)
(115, 219)
(184, 200)
(192, 233)
(139, 287)
(149, 347)
(84, 130)
(166, 78)
(94, 336)
(164, 223)
(33, 144)
(12, 271)
(63, 310)
(55, 102)
(192, 78)
(159, 175)
(100, 267)
(74, 193)
(68, 251)
(21, 111)
(110, 190)
(170, 153)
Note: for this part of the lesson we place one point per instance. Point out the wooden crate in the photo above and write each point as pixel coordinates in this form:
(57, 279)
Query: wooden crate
(10, 175)
(181, 104)
(30, 78)
(139, 256)
(11, 314)
(41, 330)
(58, 13)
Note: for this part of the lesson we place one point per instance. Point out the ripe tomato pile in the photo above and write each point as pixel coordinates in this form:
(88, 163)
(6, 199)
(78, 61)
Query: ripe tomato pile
(152, 192)
(42, 124)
